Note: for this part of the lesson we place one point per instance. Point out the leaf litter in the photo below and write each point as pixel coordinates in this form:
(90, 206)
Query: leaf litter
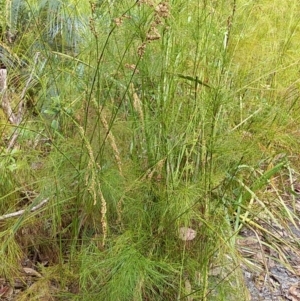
(271, 265)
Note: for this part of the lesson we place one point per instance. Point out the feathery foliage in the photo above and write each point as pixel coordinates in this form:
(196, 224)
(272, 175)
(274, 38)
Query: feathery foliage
(140, 120)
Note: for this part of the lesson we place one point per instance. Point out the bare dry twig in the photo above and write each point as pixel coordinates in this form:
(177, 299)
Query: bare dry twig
(20, 212)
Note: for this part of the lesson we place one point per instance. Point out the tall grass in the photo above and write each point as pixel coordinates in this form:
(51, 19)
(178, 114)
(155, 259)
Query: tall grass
(147, 119)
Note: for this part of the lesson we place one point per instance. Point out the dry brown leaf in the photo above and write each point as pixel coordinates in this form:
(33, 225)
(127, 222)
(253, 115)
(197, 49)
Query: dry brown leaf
(296, 269)
(248, 241)
(187, 233)
(294, 292)
(188, 290)
(271, 263)
(260, 280)
(32, 272)
(6, 291)
(259, 257)
(216, 271)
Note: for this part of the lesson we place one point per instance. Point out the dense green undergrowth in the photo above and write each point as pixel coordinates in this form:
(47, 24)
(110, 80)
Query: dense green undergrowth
(144, 121)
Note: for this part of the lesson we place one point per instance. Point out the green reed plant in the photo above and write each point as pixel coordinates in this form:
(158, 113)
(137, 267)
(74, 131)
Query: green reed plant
(148, 122)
